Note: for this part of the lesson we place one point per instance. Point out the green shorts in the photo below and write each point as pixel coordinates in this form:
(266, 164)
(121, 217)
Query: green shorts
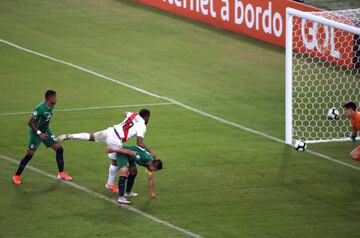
(124, 161)
(35, 141)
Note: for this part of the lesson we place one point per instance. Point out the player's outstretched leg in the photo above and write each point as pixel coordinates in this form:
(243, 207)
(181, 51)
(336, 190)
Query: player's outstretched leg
(122, 180)
(78, 136)
(60, 162)
(130, 183)
(111, 179)
(22, 165)
(355, 154)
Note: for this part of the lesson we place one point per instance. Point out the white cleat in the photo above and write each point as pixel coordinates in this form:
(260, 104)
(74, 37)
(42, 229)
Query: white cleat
(123, 200)
(131, 195)
(63, 137)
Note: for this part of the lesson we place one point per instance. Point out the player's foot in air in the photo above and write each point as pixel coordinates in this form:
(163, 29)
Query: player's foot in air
(63, 137)
(131, 195)
(112, 187)
(123, 200)
(16, 179)
(64, 176)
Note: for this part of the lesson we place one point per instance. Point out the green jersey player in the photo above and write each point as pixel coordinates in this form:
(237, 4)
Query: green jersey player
(127, 157)
(40, 133)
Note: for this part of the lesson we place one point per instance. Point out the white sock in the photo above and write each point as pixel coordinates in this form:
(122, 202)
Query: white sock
(112, 173)
(80, 136)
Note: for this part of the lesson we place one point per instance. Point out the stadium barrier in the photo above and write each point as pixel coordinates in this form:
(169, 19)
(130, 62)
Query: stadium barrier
(316, 37)
(264, 20)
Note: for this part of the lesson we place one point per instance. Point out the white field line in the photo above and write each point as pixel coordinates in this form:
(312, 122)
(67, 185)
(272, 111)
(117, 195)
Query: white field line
(105, 198)
(334, 160)
(91, 108)
(219, 119)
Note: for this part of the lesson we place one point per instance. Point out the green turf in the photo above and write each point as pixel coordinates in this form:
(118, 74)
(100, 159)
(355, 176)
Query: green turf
(218, 181)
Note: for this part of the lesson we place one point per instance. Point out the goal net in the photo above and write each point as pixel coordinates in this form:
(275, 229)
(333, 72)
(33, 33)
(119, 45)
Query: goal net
(322, 72)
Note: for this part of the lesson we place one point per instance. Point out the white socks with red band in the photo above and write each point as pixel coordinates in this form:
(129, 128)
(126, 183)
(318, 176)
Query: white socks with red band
(112, 173)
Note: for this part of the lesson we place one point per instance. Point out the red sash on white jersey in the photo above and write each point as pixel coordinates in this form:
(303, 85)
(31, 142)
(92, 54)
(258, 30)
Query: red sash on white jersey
(127, 125)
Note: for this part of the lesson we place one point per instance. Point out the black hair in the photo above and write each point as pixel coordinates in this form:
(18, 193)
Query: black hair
(157, 164)
(49, 93)
(349, 105)
(144, 113)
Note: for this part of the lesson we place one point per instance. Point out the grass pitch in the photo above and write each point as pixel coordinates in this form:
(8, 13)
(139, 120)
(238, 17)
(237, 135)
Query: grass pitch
(218, 181)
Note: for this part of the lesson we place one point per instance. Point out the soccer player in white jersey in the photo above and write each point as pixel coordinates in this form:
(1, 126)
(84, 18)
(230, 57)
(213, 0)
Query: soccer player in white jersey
(133, 125)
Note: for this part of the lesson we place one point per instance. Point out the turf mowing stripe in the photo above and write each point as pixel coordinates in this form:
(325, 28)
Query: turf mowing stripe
(105, 198)
(219, 119)
(92, 108)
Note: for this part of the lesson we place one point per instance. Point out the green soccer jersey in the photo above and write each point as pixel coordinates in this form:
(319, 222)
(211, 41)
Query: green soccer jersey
(125, 161)
(42, 115)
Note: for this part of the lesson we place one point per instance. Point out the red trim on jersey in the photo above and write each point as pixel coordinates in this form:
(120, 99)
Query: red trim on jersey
(117, 134)
(127, 125)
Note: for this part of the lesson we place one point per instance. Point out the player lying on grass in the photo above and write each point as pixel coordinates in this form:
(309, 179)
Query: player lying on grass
(354, 116)
(133, 125)
(127, 158)
(40, 132)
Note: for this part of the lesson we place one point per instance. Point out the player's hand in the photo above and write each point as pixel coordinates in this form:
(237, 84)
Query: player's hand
(353, 138)
(42, 136)
(153, 195)
(109, 150)
(153, 155)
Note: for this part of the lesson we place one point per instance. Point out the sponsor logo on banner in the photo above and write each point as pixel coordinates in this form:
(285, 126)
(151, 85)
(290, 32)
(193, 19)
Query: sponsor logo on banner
(260, 19)
(322, 39)
(323, 42)
(264, 20)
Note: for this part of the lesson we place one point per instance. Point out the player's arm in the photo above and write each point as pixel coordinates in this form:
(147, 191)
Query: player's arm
(140, 143)
(32, 125)
(354, 134)
(151, 185)
(121, 151)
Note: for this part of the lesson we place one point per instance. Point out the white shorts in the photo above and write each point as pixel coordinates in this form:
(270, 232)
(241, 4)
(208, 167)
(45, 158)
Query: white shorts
(110, 138)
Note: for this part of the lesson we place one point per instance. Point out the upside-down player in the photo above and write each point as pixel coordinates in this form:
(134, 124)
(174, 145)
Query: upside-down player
(127, 158)
(133, 125)
(354, 116)
(40, 132)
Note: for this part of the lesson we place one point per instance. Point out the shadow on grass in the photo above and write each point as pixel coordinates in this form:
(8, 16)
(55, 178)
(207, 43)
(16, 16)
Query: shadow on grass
(284, 164)
(310, 195)
(24, 195)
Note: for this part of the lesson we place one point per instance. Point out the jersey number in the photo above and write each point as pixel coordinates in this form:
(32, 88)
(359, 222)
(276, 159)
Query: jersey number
(127, 124)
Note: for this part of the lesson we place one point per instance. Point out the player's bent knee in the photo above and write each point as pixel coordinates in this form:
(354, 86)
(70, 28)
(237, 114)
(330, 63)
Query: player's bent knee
(60, 150)
(98, 136)
(355, 155)
(124, 171)
(30, 153)
(56, 146)
(133, 171)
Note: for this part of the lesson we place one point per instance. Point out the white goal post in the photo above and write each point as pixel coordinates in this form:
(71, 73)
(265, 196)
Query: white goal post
(322, 71)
